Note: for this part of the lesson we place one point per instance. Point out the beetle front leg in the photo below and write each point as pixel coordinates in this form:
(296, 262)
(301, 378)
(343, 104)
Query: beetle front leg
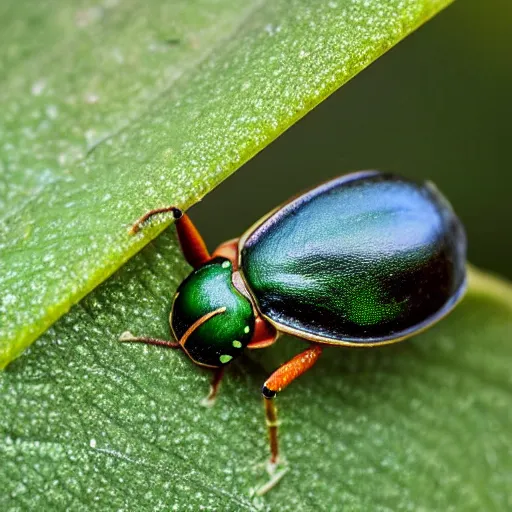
(209, 400)
(191, 242)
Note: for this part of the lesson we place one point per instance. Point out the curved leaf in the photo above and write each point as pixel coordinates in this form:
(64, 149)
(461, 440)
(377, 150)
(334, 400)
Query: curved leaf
(88, 423)
(111, 110)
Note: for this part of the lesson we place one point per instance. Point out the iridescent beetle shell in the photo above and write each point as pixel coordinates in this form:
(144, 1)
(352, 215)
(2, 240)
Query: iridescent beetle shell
(365, 259)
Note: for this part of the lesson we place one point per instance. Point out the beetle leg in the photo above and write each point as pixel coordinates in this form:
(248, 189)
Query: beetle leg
(218, 373)
(191, 242)
(209, 401)
(265, 334)
(283, 376)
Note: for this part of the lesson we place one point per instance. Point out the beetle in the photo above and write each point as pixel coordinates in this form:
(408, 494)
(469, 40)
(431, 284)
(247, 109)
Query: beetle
(363, 260)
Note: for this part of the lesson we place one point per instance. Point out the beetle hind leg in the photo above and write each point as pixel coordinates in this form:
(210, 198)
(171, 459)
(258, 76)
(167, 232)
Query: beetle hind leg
(276, 473)
(276, 467)
(281, 378)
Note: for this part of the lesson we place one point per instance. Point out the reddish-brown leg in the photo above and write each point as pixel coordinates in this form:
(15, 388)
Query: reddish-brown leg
(208, 401)
(218, 373)
(192, 244)
(281, 378)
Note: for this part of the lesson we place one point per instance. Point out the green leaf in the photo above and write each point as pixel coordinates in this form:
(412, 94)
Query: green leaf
(113, 109)
(88, 423)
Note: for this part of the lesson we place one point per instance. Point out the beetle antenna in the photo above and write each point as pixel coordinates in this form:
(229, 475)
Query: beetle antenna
(176, 213)
(198, 324)
(129, 337)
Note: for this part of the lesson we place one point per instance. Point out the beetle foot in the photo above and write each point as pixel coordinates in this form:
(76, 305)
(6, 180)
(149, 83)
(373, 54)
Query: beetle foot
(276, 471)
(209, 401)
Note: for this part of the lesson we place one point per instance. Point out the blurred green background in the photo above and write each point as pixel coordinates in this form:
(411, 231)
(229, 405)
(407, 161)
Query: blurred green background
(438, 107)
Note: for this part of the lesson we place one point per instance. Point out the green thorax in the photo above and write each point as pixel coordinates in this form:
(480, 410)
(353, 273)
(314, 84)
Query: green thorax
(224, 336)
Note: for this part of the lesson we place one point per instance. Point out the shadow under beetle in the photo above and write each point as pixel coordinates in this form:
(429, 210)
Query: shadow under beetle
(363, 260)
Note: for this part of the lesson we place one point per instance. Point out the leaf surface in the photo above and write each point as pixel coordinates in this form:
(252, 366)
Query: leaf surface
(109, 110)
(88, 423)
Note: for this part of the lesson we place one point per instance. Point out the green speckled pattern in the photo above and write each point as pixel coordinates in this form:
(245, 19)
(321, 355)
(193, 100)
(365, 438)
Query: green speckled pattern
(224, 336)
(364, 258)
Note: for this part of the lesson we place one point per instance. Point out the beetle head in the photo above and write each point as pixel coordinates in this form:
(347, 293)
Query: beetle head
(211, 319)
